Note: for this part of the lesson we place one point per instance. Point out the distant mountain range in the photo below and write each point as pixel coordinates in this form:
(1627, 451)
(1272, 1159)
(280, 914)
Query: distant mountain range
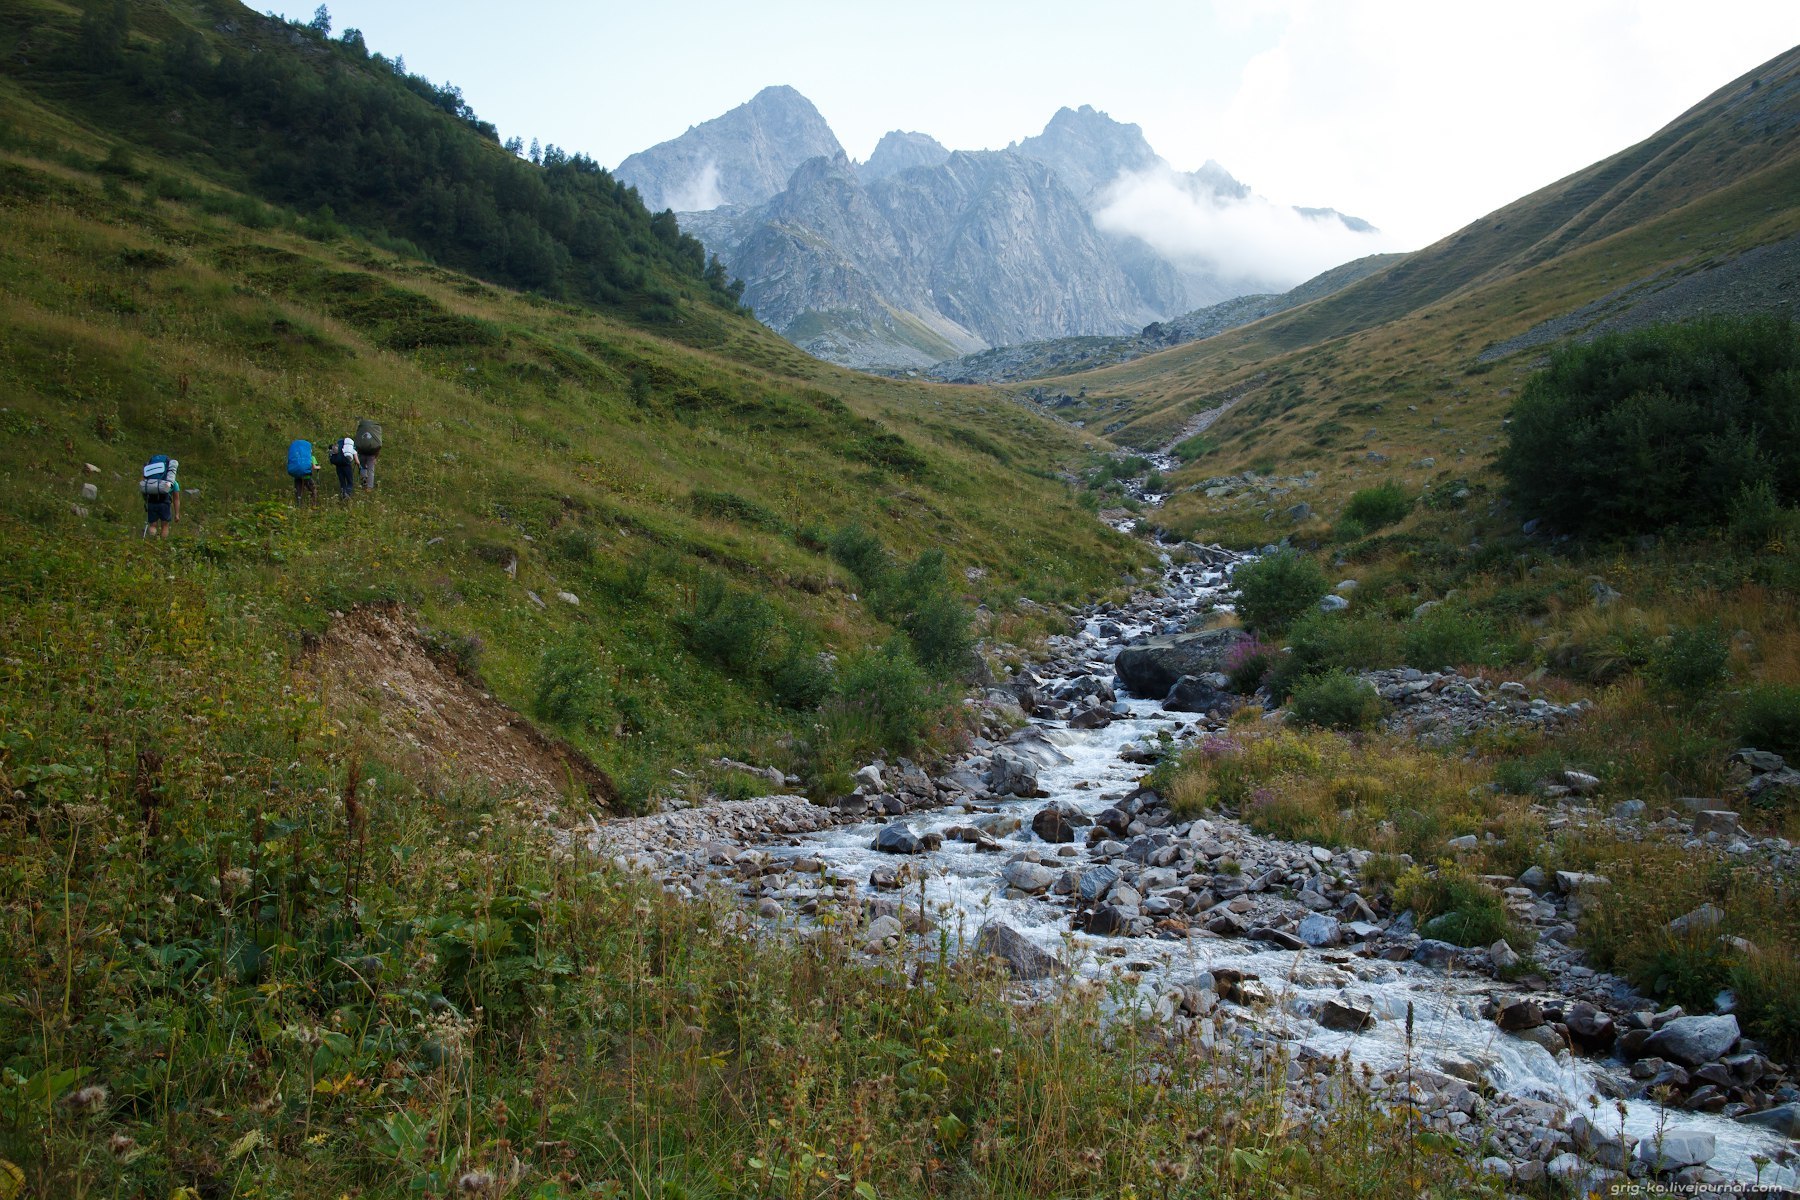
(923, 254)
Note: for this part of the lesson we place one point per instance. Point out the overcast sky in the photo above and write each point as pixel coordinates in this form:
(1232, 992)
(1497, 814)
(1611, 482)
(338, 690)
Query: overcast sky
(1418, 115)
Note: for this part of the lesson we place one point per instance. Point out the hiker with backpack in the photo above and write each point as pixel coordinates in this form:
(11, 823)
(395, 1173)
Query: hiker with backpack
(368, 449)
(343, 457)
(162, 495)
(302, 465)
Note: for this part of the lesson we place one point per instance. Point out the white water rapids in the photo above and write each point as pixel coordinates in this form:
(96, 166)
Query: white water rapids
(963, 890)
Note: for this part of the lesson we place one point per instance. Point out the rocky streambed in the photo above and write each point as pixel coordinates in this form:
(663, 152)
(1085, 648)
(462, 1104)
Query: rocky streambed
(1041, 847)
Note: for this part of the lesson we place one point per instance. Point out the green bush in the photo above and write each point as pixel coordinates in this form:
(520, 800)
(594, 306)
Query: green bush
(1670, 425)
(1448, 636)
(800, 678)
(1379, 506)
(735, 629)
(1454, 906)
(862, 554)
(1335, 700)
(1321, 642)
(567, 688)
(1274, 590)
(887, 694)
(1771, 719)
(1692, 660)
(1756, 517)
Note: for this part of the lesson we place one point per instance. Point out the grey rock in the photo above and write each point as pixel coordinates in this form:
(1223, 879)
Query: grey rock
(1693, 1041)
(1702, 919)
(1013, 774)
(1022, 957)
(869, 779)
(1346, 1015)
(1676, 1148)
(1028, 877)
(875, 937)
(1058, 821)
(1432, 953)
(1320, 931)
(1783, 1119)
(1519, 1015)
(898, 838)
(1109, 921)
(1151, 669)
(1095, 881)
(1715, 821)
(1333, 603)
(744, 157)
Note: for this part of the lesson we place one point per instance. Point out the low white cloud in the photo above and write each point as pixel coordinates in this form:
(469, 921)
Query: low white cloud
(699, 193)
(1253, 242)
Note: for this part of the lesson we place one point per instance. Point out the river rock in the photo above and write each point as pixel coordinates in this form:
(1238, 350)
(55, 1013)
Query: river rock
(1095, 881)
(1346, 1015)
(1433, 953)
(1676, 1148)
(1277, 937)
(1721, 821)
(1693, 1041)
(1519, 1016)
(1783, 1119)
(1058, 821)
(1028, 877)
(1320, 931)
(1199, 694)
(869, 779)
(898, 838)
(1151, 669)
(1022, 958)
(1109, 920)
(876, 936)
(1013, 774)
(1591, 1030)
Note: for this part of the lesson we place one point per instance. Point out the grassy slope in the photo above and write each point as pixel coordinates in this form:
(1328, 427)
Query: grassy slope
(515, 428)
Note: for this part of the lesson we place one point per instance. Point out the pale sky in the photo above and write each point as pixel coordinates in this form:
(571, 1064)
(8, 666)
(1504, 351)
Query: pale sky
(1417, 115)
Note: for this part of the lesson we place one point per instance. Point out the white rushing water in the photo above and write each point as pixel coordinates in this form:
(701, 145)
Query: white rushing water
(962, 890)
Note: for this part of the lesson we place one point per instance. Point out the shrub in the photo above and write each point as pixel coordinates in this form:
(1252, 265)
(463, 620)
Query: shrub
(801, 678)
(1756, 518)
(1454, 906)
(1771, 719)
(1274, 590)
(1247, 663)
(575, 544)
(1447, 636)
(1321, 642)
(567, 687)
(1336, 700)
(1379, 506)
(862, 554)
(735, 629)
(1690, 661)
(1671, 425)
(1198, 446)
(887, 692)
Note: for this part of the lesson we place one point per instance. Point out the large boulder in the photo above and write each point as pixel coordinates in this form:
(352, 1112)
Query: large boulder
(1028, 877)
(1151, 669)
(898, 838)
(1694, 1041)
(1783, 1119)
(1058, 821)
(1199, 694)
(1022, 958)
(1013, 774)
(1676, 1148)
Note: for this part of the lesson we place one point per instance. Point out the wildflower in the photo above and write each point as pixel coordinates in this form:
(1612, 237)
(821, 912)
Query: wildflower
(88, 1099)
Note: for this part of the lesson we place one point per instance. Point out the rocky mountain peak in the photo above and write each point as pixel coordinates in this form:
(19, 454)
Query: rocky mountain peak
(743, 157)
(900, 151)
(1088, 149)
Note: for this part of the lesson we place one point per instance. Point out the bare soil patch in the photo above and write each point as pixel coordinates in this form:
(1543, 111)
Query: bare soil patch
(438, 723)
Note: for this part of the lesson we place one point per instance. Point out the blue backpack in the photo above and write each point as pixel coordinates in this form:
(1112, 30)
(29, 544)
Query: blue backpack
(300, 459)
(159, 477)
